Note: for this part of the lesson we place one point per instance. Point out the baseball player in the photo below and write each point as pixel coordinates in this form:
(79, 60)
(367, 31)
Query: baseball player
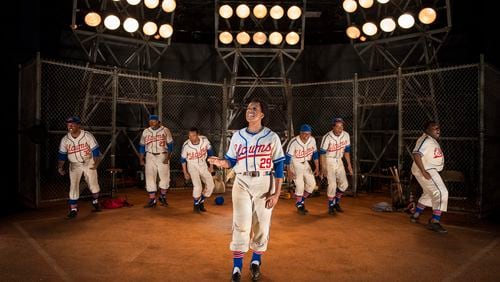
(299, 152)
(254, 152)
(155, 148)
(194, 155)
(335, 145)
(428, 160)
(80, 148)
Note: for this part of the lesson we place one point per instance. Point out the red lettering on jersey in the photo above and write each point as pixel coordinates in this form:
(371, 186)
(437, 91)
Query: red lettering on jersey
(303, 153)
(438, 153)
(253, 149)
(85, 148)
(157, 138)
(337, 147)
(197, 154)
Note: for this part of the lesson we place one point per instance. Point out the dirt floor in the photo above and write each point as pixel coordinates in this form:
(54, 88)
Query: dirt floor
(174, 244)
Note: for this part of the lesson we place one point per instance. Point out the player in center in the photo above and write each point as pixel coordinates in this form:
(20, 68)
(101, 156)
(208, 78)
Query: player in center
(257, 158)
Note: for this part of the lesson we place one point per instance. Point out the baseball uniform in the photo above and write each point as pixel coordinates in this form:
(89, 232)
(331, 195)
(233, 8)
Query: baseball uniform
(195, 158)
(334, 147)
(298, 155)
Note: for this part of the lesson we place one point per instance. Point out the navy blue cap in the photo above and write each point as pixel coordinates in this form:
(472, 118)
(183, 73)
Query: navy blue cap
(154, 117)
(305, 128)
(337, 119)
(73, 119)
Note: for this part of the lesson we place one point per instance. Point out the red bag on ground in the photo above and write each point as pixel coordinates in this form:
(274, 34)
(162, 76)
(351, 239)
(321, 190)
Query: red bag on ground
(115, 203)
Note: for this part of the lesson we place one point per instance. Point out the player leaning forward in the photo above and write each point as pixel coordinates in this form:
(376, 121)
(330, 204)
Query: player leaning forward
(80, 148)
(254, 152)
(194, 155)
(428, 160)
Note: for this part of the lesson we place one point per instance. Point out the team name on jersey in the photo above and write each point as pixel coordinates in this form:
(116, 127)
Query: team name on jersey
(197, 154)
(303, 153)
(78, 148)
(438, 153)
(252, 149)
(337, 146)
(150, 139)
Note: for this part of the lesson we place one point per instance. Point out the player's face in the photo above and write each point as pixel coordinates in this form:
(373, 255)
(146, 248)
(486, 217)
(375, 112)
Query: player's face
(338, 127)
(254, 112)
(73, 127)
(304, 136)
(193, 137)
(154, 123)
(434, 131)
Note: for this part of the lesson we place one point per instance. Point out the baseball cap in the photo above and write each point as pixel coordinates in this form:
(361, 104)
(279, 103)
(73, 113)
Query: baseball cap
(337, 119)
(73, 119)
(305, 128)
(154, 117)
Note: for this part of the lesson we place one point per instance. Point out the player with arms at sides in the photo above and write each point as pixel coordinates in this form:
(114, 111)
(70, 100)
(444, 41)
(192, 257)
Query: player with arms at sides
(428, 161)
(194, 155)
(335, 145)
(155, 148)
(300, 150)
(254, 152)
(80, 148)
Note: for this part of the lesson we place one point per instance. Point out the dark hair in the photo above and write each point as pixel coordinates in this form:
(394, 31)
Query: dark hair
(194, 129)
(264, 109)
(428, 125)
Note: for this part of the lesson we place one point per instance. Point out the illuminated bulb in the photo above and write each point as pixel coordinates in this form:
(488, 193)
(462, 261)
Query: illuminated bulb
(406, 21)
(111, 22)
(349, 6)
(353, 32)
(149, 28)
(151, 4)
(294, 12)
(166, 30)
(260, 11)
(225, 37)
(133, 2)
(275, 38)
(92, 19)
(292, 38)
(168, 5)
(382, 1)
(362, 38)
(243, 38)
(242, 11)
(131, 25)
(259, 38)
(276, 12)
(388, 25)
(365, 3)
(226, 11)
(369, 28)
(427, 15)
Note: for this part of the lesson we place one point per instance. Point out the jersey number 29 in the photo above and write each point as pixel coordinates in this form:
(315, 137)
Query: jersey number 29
(265, 163)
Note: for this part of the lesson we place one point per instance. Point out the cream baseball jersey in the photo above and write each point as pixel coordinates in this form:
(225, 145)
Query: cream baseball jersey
(334, 146)
(300, 151)
(156, 141)
(79, 149)
(255, 152)
(196, 153)
(429, 149)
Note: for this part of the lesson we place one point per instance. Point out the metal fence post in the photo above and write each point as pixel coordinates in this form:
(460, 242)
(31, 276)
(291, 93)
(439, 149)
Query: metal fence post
(481, 131)
(159, 95)
(400, 119)
(224, 117)
(113, 117)
(38, 116)
(355, 132)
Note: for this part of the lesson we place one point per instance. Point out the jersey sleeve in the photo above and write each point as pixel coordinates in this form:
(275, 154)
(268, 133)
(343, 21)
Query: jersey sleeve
(421, 146)
(348, 145)
(184, 151)
(231, 153)
(63, 152)
(277, 153)
(324, 144)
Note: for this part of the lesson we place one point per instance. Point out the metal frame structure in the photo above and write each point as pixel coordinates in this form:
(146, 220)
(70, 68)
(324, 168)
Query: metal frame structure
(253, 67)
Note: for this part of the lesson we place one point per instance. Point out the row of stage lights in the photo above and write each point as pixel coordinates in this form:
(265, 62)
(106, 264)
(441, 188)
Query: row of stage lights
(405, 21)
(260, 11)
(113, 22)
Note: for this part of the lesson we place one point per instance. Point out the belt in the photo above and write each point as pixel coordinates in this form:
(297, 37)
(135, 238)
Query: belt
(256, 173)
(156, 154)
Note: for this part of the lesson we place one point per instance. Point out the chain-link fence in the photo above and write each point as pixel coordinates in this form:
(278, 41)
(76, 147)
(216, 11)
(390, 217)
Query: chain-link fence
(383, 114)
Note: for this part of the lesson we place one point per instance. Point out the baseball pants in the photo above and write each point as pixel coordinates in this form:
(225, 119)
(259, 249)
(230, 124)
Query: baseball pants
(251, 219)
(304, 178)
(336, 176)
(198, 174)
(75, 174)
(155, 167)
(434, 194)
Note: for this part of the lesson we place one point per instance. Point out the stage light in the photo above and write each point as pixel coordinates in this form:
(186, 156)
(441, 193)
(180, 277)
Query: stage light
(366, 3)
(168, 6)
(362, 38)
(388, 24)
(133, 2)
(294, 12)
(226, 11)
(275, 38)
(292, 38)
(151, 4)
(259, 38)
(277, 12)
(111, 22)
(406, 21)
(369, 28)
(243, 38)
(149, 28)
(242, 11)
(260, 11)
(166, 30)
(383, 1)
(349, 6)
(225, 37)
(92, 19)
(353, 32)
(131, 25)
(427, 15)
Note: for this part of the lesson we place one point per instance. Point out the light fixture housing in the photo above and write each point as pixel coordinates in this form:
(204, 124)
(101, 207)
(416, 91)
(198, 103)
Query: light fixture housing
(353, 32)
(427, 15)
(277, 12)
(149, 28)
(365, 3)
(406, 21)
(225, 37)
(259, 38)
(166, 30)
(225, 11)
(388, 24)
(168, 5)
(93, 19)
(243, 38)
(294, 12)
(292, 38)
(349, 6)
(111, 22)
(275, 38)
(242, 11)
(369, 28)
(260, 11)
(130, 25)
(151, 4)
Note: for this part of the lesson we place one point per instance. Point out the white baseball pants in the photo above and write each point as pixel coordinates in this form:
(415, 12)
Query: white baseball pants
(434, 194)
(75, 174)
(198, 174)
(336, 176)
(304, 178)
(155, 167)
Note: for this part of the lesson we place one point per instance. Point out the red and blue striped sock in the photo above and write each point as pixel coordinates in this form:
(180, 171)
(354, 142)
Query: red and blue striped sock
(238, 259)
(436, 215)
(256, 257)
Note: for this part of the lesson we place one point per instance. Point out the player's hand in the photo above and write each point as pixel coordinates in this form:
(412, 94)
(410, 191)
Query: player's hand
(323, 174)
(316, 172)
(61, 171)
(210, 169)
(291, 175)
(142, 163)
(349, 168)
(272, 200)
(187, 175)
(426, 175)
(165, 161)
(215, 161)
(94, 167)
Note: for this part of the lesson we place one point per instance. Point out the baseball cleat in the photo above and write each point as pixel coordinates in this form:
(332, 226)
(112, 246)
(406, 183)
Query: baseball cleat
(413, 219)
(202, 207)
(236, 277)
(72, 214)
(97, 207)
(196, 209)
(151, 204)
(163, 201)
(436, 226)
(302, 210)
(338, 208)
(255, 271)
(331, 210)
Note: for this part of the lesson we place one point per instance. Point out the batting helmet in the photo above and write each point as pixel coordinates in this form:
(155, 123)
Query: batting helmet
(219, 201)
